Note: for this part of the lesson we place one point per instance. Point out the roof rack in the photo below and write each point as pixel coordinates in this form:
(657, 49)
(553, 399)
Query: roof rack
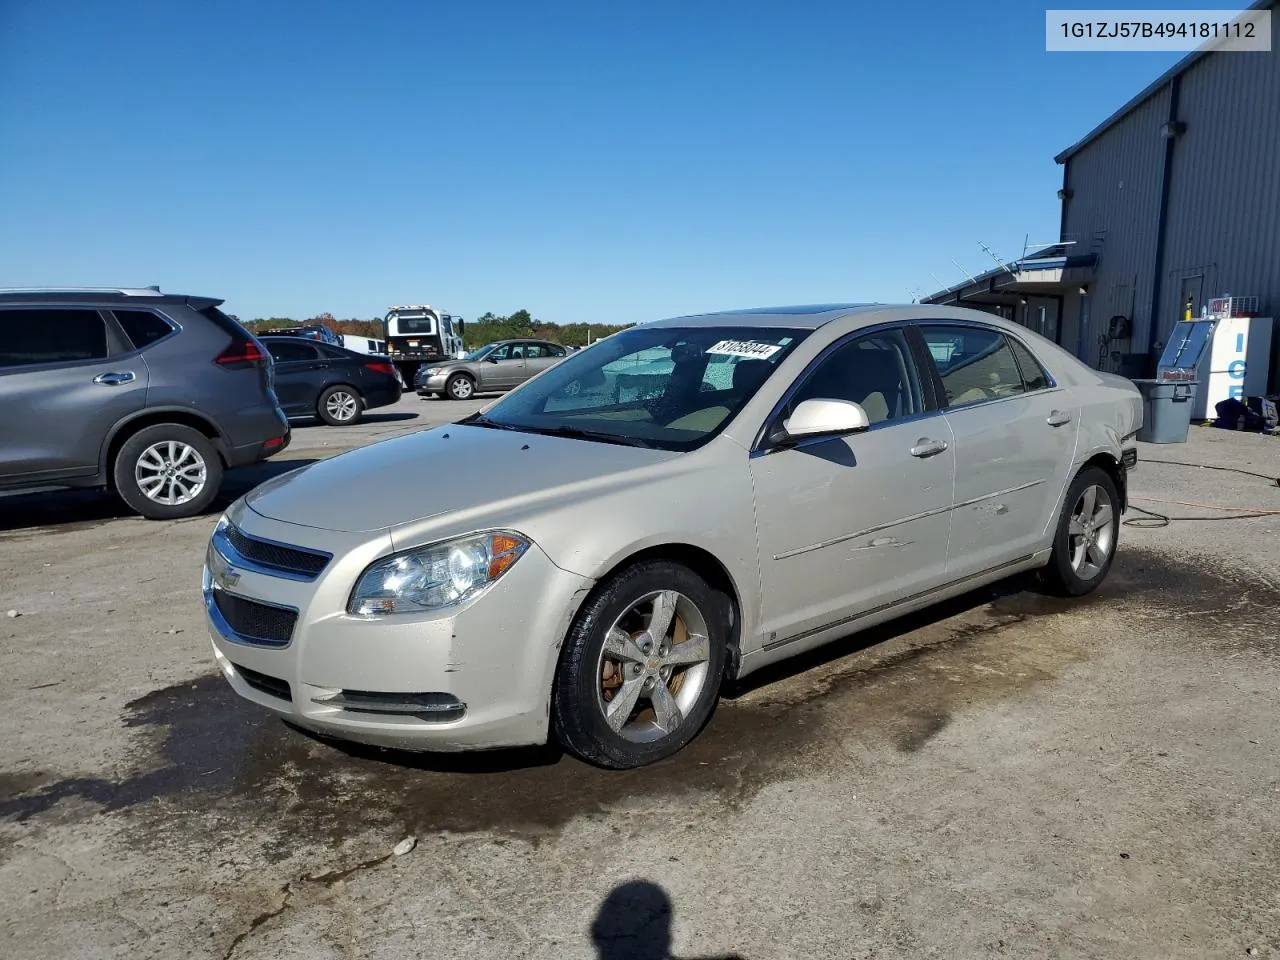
(152, 291)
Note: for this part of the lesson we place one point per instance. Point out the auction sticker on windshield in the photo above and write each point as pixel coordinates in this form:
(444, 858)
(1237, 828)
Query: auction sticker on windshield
(744, 348)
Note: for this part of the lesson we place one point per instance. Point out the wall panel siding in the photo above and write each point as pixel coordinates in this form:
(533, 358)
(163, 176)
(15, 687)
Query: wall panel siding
(1116, 184)
(1224, 201)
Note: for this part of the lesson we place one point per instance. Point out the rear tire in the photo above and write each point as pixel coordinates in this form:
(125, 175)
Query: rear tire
(625, 697)
(1084, 544)
(167, 471)
(340, 406)
(460, 387)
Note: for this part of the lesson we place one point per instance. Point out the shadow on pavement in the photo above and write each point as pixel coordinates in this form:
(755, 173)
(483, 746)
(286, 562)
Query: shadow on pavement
(857, 641)
(515, 759)
(634, 923)
(308, 422)
(66, 510)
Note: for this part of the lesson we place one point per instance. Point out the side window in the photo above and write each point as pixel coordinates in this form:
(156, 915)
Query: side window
(534, 351)
(517, 351)
(874, 370)
(976, 363)
(51, 336)
(284, 351)
(142, 326)
(1033, 375)
(501, 353)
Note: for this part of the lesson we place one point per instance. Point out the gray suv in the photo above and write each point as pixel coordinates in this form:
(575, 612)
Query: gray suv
(152, 395)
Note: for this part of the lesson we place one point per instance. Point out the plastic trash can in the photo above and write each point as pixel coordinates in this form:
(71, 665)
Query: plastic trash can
(1166, 410)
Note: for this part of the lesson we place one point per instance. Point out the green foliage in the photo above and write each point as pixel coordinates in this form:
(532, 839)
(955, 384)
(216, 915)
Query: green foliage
(484, 329)
(489, 327)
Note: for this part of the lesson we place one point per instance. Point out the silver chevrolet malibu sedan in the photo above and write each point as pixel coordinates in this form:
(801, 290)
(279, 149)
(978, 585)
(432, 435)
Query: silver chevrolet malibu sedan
(590, 557)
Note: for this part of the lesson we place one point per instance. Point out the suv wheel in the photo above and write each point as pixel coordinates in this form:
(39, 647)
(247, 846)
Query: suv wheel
(340, 406)
(168, 471)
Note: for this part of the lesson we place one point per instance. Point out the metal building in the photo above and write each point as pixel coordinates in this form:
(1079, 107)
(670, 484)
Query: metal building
(1170, 201)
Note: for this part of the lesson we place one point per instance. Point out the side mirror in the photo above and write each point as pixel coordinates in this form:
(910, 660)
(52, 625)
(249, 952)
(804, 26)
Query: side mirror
(823, 418)
(491, 359)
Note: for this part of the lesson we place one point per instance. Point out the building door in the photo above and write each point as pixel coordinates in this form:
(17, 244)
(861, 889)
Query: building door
(1189, 294)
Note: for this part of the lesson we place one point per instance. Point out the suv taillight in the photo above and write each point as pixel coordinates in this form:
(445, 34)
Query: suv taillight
(240, 352)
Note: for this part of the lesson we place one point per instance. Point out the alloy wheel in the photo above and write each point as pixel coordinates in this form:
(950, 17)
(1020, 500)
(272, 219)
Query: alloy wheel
(342, 406)
(653, 666)
(171, 472)
(1091, 532)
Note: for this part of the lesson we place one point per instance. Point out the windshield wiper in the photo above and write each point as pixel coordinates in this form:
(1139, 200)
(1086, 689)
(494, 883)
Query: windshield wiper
(579, 433)
(480, 420)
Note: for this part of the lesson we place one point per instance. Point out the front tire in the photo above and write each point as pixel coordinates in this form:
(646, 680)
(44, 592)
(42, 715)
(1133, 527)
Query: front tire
(167, 471)
(1084, 544)
(641, 669)
(460, 387)
(340, 406)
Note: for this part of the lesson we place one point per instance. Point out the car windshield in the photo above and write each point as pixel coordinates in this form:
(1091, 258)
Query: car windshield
(479, 352)
(672, 388)
(411, 323)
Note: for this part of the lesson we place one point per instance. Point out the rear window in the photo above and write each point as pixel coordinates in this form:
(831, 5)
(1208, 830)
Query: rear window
(142, 326)
(1033, 375)
(223, 322)
(288, 351)
(33, 336)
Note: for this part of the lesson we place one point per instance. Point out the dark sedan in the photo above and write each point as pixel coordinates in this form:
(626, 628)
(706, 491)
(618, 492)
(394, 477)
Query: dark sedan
(337, 385)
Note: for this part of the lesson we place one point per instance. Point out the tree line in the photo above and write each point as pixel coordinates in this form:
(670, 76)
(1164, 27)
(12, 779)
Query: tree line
(486, 328)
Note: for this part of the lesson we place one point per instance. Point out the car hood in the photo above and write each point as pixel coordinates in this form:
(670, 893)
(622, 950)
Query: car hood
(440, 471)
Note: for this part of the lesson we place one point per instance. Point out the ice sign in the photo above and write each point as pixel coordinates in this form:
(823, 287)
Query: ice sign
(744, 348)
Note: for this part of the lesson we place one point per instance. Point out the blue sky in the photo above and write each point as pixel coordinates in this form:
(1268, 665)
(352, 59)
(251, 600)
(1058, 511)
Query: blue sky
(589, 161)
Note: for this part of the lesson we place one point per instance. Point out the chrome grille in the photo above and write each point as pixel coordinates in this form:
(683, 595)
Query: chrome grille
(253, 622)
(295, 561)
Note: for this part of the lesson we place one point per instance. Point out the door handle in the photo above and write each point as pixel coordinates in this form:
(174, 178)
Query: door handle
(115, 379)
(1057, 419)
(928, 448)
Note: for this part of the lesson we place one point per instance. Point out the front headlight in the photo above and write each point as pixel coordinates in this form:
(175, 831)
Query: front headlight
(437, 576)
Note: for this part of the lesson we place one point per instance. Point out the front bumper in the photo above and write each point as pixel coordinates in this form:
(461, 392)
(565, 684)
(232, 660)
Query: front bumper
(480, 675)
(433, 384)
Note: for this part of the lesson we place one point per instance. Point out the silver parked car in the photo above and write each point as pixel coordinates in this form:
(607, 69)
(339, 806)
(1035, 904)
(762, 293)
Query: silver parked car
(491, 368)
(590, 556)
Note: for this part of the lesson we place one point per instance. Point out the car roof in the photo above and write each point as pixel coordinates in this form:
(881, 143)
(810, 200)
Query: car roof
(803, 316)
(815, 316)
(103, 295)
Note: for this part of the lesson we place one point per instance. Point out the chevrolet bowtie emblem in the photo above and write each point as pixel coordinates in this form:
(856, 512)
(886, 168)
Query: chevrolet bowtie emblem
(224, 574)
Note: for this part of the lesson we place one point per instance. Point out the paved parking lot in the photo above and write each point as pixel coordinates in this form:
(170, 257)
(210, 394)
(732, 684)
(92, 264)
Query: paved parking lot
(1007, 776)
